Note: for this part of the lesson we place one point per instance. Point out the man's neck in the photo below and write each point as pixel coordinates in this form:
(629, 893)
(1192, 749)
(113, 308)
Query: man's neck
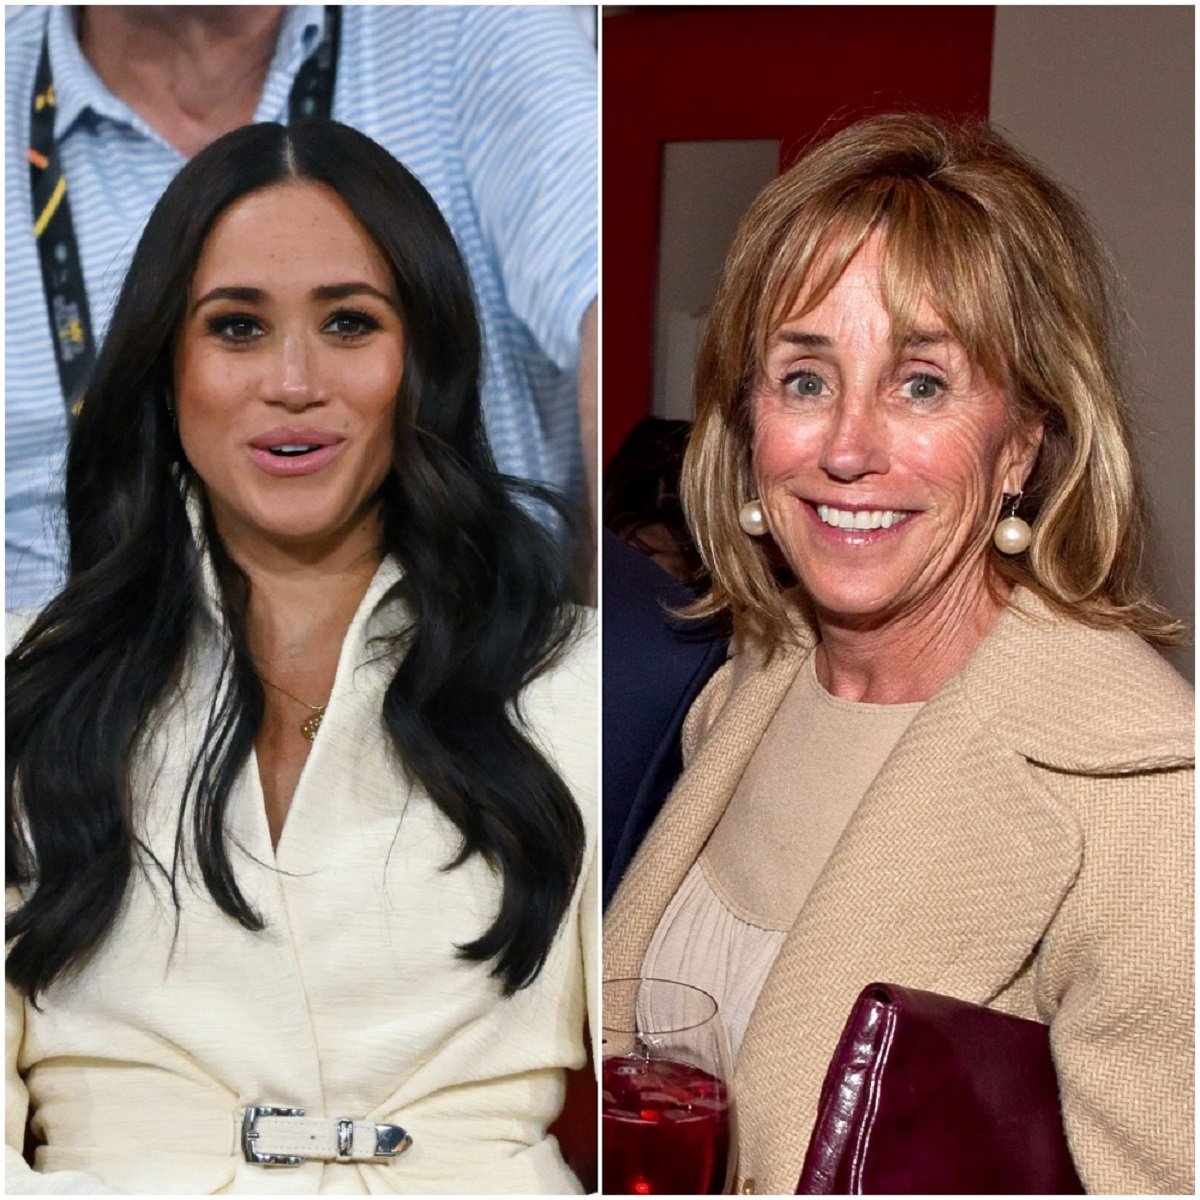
(191, 73)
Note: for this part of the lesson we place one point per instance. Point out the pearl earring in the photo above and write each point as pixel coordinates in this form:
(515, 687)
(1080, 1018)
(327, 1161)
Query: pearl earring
(751, 518)
(1012, 534)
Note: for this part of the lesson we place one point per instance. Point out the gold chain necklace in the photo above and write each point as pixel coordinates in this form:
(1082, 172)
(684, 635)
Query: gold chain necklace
(309, 725)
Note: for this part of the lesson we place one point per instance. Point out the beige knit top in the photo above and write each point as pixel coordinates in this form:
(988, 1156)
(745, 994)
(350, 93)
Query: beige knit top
(731, 914)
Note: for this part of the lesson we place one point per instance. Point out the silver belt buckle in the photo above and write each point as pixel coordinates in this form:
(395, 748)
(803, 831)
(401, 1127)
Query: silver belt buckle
(250, 1134)
(390, 1140)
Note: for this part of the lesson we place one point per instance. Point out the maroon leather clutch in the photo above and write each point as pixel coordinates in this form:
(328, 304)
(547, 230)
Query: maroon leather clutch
(930, 1095)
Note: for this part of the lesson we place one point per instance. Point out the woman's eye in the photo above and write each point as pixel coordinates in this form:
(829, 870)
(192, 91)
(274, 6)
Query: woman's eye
(350, 325)
(805, 383)
(924, 387)
(235, 328)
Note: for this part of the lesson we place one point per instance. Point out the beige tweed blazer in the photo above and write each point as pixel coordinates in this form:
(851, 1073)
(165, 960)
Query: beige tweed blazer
(1028, 845)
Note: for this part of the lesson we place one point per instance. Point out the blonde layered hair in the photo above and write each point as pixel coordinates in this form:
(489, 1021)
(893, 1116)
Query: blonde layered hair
(1009, 262)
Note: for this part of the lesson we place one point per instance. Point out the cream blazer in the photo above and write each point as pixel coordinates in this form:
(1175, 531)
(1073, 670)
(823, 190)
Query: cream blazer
(1028, 845)
(351, 1003)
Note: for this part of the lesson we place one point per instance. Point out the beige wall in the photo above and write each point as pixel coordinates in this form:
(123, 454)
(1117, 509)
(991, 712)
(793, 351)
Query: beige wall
(697, 224)
(1103, 96)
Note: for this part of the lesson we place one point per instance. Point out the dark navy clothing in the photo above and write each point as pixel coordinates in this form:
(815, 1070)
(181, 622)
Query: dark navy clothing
(654, 666)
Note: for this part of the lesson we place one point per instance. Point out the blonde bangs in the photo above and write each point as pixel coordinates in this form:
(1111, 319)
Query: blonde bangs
(937, 251)
(810, 260)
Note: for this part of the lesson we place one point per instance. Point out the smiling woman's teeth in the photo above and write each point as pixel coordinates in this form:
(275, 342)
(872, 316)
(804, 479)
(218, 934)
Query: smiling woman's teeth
(292, 450)
(863, 518)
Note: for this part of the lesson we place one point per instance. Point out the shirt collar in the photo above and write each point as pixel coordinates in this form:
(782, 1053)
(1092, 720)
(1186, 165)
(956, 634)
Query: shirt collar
(299, 36)
(78, 88)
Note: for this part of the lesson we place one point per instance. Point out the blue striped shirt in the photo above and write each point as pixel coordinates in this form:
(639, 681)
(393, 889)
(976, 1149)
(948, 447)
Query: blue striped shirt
(493, 109)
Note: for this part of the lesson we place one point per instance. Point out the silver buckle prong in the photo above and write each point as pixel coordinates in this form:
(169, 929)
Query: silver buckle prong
(250, 1134)
(390, 1140)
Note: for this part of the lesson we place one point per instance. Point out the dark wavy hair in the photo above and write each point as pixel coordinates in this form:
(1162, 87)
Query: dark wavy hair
(484, 590)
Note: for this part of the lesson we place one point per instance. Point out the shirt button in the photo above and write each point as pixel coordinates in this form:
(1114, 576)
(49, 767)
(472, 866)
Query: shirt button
(747, 1187)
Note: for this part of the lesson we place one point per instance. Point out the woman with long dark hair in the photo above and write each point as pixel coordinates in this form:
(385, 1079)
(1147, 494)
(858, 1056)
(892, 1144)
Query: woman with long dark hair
(297, 876)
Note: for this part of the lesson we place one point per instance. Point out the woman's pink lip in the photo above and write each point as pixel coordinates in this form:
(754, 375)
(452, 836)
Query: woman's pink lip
(286, 435)
(297, 464)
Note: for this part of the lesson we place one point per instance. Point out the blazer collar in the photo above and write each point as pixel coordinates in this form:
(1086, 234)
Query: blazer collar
(1084, 700)
(946, 876)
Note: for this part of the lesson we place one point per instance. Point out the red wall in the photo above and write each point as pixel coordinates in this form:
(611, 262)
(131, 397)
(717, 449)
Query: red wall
(703, 74)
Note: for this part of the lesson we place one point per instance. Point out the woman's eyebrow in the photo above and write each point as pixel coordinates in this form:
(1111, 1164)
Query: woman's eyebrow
(798, 337)
(926, 337)
(248, 295)
(357, 287)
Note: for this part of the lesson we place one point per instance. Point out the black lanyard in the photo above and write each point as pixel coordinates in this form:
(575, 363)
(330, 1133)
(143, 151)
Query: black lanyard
(54, 229)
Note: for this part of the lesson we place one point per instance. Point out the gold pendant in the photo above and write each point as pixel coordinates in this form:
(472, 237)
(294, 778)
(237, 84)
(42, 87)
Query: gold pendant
(311, 725)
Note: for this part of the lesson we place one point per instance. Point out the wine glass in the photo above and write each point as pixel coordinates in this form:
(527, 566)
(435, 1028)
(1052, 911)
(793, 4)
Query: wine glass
(666, 1100)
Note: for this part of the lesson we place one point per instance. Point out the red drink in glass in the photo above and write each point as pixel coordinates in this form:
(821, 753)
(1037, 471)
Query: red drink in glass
(666, 1128)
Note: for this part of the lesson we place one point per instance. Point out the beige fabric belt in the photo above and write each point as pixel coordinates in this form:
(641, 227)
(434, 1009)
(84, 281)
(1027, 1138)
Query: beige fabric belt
(274, 1136)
